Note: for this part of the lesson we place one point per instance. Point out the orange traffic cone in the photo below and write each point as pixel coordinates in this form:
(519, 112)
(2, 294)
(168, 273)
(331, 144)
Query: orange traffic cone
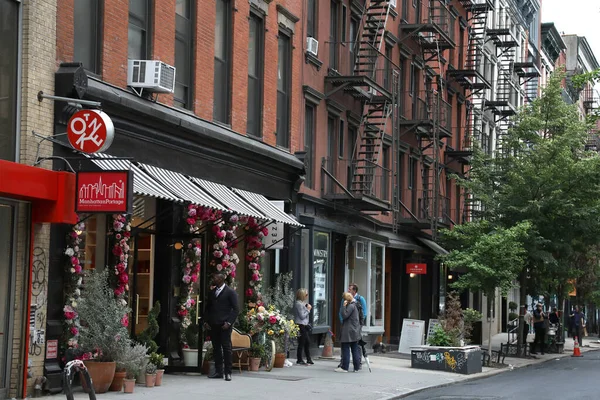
(328, 347)
(576, 351)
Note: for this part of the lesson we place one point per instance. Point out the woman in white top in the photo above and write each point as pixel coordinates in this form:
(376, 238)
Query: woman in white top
(301, 318)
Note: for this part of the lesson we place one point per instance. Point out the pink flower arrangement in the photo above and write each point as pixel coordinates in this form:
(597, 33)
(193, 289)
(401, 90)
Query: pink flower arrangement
(73, 284)
(125, 321)
(254, 253)
(121, 232)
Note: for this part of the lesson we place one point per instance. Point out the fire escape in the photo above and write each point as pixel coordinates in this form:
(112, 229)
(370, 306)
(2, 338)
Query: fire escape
(429, 117)
(475, 78)
(362, 182)
(504, 102)
(591, 104)
(472, 76)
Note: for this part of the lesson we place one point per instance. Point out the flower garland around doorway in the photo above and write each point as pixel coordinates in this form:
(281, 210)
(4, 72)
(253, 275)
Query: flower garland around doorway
(224, 260)
(73, 281)
(120, 233)
(254, 253)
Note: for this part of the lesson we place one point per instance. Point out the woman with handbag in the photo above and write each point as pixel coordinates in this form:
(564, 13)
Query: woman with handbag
(301, 318)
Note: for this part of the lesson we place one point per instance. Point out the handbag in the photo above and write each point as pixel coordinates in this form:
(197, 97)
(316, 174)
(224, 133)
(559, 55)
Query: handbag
(308, 328)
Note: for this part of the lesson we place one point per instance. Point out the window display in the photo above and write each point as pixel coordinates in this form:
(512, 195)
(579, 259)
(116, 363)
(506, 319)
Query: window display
(377, 288)
(320, 296)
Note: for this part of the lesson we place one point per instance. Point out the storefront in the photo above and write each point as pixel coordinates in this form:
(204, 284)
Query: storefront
(183, 168)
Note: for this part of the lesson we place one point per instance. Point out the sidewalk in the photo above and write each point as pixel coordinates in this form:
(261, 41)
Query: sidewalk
(391, 378)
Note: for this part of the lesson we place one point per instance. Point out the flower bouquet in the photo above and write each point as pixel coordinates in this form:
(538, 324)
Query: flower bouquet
(274, 324)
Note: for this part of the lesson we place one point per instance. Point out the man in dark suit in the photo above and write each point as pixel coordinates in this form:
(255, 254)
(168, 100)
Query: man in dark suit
(222, 311)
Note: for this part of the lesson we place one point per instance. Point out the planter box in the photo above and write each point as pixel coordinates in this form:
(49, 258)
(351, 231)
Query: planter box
(459, 360)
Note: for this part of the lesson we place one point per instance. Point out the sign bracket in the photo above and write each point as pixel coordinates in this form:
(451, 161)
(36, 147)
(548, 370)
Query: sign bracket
(41, 96)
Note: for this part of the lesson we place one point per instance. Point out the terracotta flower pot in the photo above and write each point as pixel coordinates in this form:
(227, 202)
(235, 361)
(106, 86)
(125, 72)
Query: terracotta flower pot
(128, 385)
(206, 367)
(159, 376)
(150, 380)
(117, 382)
(254, 363)
(279, 360)
(102, 374)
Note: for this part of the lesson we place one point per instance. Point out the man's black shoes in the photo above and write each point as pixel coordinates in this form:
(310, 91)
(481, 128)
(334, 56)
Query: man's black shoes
(216, 375)
(228, 377)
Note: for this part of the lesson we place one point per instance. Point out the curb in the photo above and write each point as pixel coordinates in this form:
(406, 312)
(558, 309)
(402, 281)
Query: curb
(483, 375)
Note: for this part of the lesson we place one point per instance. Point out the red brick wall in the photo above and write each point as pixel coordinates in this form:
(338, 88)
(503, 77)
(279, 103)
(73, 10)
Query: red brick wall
(162, 39)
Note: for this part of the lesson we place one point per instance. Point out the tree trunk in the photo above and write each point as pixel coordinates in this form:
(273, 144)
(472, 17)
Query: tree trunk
(490, 338)
(522, 300)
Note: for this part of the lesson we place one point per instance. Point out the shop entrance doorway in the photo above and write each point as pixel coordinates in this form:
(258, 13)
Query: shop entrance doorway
(7, 216)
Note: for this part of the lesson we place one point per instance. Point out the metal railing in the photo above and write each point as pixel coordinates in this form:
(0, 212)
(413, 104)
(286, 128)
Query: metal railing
(338, 179)
(423, 106)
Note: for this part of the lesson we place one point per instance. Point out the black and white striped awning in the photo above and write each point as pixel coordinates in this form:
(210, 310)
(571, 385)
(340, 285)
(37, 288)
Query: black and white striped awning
(183, 187)
(229, 198)
(267, 208)
(142, 183)
(161, 183)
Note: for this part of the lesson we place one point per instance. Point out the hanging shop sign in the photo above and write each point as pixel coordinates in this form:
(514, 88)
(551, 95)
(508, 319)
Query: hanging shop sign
(414, 268)
(274, 240)
(90, 131)
(104, 192)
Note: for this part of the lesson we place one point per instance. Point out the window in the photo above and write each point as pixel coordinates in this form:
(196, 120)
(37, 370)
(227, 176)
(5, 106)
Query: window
(222, 75)
(377, 291)
(405, 10)
(385, 173)
(412, 173)
(255, 76)
(283, 90)
(311, 19)
(353, 40)
(344, 19)
(183, 54)
(86, 34)
(341, 135)
(333, 35)
(413, 80)
(9, 57)
(138, 30)
(320, 295)
(400, 172)
(387, 68)
(309, 145)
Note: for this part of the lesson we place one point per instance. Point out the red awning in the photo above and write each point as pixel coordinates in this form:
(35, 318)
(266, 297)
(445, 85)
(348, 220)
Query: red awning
(52, 193)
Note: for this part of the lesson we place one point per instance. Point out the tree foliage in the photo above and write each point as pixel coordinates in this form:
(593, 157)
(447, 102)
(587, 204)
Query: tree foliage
(544, 178)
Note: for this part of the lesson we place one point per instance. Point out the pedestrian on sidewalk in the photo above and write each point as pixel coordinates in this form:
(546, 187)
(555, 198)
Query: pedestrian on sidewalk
(527, 322)
(353, 290)
(351, 333)
(577, 324)
(222, 311)
(539, 325)
(301, 318)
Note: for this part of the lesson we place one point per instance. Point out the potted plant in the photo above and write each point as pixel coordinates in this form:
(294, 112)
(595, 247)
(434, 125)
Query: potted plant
(256, 354)
(190, 341)
(157, 360)
(446, 350)
(117, 382)
(150, 375)
(133, 359)
(147, 336)
(207, 357)
(103, 335)
(275, 326)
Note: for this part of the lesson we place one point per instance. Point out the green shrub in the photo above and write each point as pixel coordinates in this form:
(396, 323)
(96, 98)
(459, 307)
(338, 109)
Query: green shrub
(157, 359)
(147, 335)
(512, 316)
(512, 306)
(439, 337)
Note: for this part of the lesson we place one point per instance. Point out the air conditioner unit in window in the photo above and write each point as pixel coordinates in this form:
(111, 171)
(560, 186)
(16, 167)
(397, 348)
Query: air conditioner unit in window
(361, 250)
(151, 75)
(393, 3)
(312, 46)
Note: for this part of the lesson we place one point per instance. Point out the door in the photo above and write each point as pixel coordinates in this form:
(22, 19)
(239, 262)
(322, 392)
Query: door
(6, 262)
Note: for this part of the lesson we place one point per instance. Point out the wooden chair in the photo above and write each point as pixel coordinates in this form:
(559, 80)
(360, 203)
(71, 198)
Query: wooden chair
(240, 344)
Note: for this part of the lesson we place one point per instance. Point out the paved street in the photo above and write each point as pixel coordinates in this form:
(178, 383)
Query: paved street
(565, 378)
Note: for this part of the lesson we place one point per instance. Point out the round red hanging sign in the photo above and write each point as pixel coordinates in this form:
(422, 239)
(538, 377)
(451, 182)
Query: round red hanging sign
(90, 131)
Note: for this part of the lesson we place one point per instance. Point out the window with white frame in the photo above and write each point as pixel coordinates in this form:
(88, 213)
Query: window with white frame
(367, 271)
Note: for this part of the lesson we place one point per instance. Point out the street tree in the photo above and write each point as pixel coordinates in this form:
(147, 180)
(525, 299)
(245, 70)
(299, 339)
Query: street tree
(544, 176)
(492, 257)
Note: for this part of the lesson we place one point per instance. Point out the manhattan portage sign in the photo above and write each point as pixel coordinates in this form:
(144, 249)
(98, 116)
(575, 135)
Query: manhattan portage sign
(90, 131)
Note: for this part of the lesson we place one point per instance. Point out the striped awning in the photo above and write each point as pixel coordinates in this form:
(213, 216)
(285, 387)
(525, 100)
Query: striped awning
(142, 183)
(228, 198)
(181, 186)
(267, 208)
